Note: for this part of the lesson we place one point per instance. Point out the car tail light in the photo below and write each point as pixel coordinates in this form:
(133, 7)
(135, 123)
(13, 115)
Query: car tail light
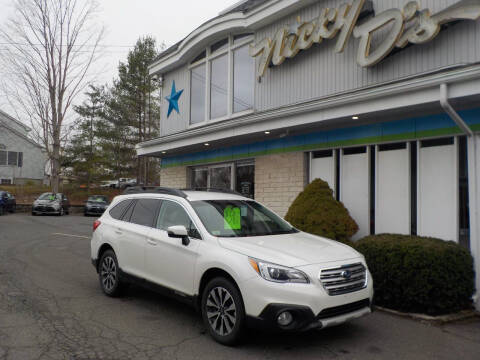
(96, 224)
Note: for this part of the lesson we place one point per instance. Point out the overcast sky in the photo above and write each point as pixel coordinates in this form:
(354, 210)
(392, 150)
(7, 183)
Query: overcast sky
(126, 20)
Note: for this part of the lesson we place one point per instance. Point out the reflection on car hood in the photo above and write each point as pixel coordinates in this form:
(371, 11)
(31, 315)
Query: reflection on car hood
(293, 250)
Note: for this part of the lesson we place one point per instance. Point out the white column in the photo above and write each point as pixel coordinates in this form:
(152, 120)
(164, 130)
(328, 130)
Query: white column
(474, 200)
(355, 189)
(437, 198)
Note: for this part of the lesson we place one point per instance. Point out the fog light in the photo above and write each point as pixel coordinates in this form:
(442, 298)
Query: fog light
(285, 318)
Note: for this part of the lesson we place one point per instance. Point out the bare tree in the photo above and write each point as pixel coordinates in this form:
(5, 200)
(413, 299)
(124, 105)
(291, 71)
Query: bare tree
(51, 45)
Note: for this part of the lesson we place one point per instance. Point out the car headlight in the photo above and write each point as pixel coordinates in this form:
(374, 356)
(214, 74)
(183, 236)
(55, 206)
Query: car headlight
(56, 205)
(278, 273)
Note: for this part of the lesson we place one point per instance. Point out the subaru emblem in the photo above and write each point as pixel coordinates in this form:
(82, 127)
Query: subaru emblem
(346, 274)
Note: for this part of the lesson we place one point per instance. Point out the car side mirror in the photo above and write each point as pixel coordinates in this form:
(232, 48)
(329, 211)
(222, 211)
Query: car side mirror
(180, 232)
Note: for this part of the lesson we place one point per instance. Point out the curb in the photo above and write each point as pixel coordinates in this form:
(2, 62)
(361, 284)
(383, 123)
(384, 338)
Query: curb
(441, 319)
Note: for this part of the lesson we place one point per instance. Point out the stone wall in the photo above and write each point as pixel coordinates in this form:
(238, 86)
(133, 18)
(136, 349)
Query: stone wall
(279, 179)
(174, 177)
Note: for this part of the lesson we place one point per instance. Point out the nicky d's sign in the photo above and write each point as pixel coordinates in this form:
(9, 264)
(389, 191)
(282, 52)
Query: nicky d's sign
(399, 27)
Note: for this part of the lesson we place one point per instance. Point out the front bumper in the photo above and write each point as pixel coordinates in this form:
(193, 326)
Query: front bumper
(94, 211)
(310, 304)
(45, 209)
(304, 318)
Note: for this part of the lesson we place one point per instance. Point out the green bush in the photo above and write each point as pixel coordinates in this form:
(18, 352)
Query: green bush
(419, 275)
(316, 211)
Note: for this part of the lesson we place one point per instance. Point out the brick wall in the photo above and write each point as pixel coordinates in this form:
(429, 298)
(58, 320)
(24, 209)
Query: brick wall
(279, 179)
(175, 177)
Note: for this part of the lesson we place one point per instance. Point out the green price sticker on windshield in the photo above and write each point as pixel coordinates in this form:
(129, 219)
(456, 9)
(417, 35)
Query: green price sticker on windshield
(232, 219)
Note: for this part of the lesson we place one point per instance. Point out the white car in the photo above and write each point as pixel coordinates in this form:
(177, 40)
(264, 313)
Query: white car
(237, 262)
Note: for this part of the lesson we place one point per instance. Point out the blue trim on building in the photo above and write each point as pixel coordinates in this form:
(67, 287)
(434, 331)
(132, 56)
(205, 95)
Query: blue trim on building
(421, 127)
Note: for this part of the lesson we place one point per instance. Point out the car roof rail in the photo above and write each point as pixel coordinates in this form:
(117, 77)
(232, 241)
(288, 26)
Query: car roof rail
(154, 190)
(226, 191)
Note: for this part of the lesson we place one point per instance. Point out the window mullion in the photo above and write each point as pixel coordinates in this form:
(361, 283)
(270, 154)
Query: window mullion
(208, 87)
(230, 79)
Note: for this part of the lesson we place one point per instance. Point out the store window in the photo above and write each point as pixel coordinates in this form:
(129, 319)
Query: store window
(238, 176)
(220, 177)
(197, 103)
(219, 87)
(243, 79)
(200, 178)
(226, 73)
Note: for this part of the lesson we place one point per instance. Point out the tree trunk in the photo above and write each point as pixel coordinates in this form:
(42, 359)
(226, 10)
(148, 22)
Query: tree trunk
(56, 166)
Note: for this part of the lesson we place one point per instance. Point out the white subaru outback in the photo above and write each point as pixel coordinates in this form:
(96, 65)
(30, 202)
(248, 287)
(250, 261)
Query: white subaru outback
(237, 262)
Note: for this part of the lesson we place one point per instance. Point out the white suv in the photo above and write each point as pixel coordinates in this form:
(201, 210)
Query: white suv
(233, 259)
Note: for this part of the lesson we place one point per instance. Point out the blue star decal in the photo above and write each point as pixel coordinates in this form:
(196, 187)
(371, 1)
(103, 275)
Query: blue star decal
(173, 99)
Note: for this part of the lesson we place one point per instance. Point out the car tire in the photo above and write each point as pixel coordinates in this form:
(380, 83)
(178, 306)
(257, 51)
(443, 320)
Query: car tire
(34, 213)
(14, 209)
(61, 212)
(223, 311)
(108, 274)
(2, 211)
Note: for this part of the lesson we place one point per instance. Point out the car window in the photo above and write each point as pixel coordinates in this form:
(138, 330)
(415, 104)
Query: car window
(144, 212)
(239, 218)
(128, 214)
(47, 196)
(172, 214)
(119, 209)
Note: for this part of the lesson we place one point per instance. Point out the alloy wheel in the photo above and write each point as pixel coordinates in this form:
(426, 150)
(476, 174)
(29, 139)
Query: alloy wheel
(109, 273)
(221, 311)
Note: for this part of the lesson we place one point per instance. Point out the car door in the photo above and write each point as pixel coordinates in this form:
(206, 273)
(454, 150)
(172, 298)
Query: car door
(9, 201)
(169, 262)
(65, 203)
(134, 234)
(13, 202)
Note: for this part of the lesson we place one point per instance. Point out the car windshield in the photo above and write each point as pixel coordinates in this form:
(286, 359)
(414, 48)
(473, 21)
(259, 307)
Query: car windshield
(50, 196)
(97, 199)
(239, 218)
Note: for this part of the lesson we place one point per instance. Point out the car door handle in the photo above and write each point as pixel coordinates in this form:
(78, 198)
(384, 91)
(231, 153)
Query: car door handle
(151, 242)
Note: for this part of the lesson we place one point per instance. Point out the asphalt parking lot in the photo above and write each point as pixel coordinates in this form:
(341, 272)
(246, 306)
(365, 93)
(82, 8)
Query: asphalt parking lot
(51, 307)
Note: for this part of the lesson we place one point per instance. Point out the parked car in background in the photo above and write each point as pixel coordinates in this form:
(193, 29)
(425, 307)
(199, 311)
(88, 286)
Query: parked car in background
(95, 205)
(51, 203)
(230, 257)
(124, 183)
(113, 184)
(7, 202)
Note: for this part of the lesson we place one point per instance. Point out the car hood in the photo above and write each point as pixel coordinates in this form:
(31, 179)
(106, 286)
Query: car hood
(46, 202)
(294, 250)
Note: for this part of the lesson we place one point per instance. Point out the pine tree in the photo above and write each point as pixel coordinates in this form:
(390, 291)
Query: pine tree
(83, 154)
(137, 96)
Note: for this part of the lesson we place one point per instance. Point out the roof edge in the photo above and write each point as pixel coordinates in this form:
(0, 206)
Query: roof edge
(263, 13)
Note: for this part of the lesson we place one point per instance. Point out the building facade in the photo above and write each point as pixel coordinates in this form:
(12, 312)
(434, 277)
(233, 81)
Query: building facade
(378, 98)
(21, 159)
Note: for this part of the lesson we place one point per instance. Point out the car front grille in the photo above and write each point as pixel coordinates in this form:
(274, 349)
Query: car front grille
(344, 279)
(43, 208)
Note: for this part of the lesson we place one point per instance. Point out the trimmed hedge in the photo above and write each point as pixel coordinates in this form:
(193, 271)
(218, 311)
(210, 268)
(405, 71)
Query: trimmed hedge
(316, 211)
(419, 275)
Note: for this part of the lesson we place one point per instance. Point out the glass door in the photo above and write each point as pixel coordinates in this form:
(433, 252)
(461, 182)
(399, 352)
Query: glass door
(245, 179)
